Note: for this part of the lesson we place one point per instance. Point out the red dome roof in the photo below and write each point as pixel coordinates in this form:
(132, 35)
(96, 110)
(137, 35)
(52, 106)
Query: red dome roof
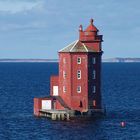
(91, 27)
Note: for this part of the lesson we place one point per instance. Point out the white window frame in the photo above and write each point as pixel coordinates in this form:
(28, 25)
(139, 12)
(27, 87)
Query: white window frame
(94, 103)
(55, 90)
(64, 89)
(78, 74)
(78, 89)
(94, 89)
(47, 104)
(78, 60)
(93, 60)
(64, 60)
(93, 74)
(64, 74)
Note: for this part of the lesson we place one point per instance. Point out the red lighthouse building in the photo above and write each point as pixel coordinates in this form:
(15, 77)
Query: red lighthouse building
(77, 88)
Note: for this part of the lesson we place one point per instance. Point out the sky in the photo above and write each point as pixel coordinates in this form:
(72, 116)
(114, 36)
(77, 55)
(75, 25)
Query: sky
(40, 28)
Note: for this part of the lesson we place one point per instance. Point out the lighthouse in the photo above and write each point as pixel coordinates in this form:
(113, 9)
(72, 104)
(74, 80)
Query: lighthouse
(77, 88)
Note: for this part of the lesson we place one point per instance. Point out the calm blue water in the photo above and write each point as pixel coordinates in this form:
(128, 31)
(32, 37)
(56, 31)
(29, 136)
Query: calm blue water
(21, 82)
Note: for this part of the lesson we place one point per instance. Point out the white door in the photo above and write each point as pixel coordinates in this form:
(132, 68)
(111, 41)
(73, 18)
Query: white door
(55, 90)
(46, 104)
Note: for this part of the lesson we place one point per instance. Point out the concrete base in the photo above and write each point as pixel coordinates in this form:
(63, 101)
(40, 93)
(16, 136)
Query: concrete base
(70, 114)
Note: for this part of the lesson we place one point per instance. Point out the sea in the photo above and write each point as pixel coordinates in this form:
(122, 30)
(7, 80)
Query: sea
(21, 82)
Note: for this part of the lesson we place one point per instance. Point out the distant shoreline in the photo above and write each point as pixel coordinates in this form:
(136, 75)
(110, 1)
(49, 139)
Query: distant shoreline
(109, 60)
(28, 60)
(122, 60)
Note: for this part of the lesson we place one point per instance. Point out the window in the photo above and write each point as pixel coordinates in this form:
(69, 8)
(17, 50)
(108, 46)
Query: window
(64, 88)
(93, 60)
(86, 33)
(64, 74)
(79, 60)
(94, 89)
(46, 104)
(79, 89)
(79, 74)
(94, 103)
(81, 104)
(94, 74)
(64, 60)
(55, 90)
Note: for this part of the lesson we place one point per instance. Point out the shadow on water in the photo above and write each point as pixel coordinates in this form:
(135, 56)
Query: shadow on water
(107, 128)
(76, 129)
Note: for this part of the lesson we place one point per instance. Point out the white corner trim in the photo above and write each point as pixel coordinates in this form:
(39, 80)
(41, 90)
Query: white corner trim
(85, 47)
(74, 45)
(67, 46)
